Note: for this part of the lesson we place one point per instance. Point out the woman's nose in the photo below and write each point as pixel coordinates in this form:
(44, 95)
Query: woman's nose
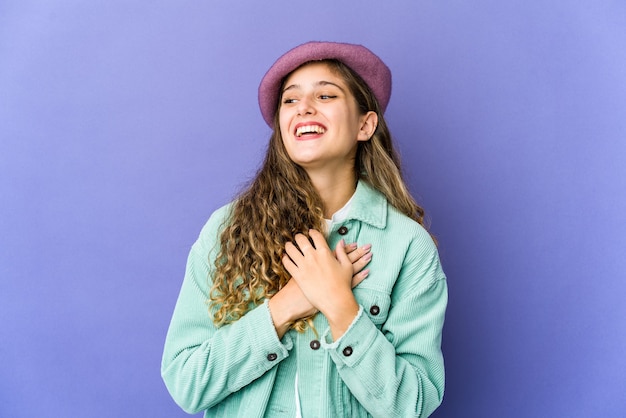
(305, 106)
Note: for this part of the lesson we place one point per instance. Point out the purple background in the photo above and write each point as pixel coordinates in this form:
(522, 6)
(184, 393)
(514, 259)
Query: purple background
(123, 124)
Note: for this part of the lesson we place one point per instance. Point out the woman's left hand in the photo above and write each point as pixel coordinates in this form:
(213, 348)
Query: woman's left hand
(324, 277)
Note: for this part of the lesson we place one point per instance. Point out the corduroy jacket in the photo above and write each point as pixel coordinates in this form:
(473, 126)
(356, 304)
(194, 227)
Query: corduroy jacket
(387, 364)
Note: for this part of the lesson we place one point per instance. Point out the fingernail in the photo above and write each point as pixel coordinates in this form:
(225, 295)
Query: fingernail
(366, 273)
(367, 247)
(367, 257)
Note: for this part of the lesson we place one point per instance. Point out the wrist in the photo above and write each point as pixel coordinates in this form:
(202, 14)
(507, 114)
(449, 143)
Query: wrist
(280, 318)
(341, 317)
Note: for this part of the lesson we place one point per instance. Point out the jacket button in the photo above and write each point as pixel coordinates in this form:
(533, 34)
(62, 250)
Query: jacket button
(374, 310)
(342, 230)
(315, 345)
(272, 356)
(347, 351)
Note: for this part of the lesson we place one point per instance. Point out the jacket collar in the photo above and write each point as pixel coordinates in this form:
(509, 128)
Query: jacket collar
(369, 206)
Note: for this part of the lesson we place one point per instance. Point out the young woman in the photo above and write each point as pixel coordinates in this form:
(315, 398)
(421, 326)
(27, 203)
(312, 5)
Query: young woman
(283, 311)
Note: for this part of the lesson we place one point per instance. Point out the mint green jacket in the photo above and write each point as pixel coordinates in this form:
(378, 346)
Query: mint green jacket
(387, 364)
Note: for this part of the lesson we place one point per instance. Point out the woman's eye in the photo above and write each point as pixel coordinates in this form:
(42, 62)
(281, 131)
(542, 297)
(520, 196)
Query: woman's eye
(288, 101)
(327, 96)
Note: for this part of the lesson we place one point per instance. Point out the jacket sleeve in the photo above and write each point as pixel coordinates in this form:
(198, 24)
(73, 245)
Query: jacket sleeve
(398, 370)
(203, 364)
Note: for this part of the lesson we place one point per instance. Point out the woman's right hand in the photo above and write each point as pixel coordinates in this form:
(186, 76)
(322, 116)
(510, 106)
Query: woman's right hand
(289, 304)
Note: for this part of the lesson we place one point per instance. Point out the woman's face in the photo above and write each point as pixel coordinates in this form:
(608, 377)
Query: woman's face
(320, 123)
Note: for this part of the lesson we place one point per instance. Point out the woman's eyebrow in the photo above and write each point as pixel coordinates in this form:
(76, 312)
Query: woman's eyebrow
(330, 83)
(291, 87)
(319, 83)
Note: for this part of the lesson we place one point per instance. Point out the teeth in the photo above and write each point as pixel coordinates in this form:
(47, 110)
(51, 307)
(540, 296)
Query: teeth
(309, 129)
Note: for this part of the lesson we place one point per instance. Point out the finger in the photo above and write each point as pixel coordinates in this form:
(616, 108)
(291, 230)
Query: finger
(359, 277)
(351, 247)
(359, 252)
(318, 239)
(360, 264)
(303, 243)
(292, 251)
(290, 266)
(340, 253)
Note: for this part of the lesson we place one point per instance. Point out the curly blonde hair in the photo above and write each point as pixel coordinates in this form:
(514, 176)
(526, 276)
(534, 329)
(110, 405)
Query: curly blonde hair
(281, 202)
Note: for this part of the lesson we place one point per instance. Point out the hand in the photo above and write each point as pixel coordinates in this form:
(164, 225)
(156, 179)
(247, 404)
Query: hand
(324, 277)
(360, 257)
(290, 304)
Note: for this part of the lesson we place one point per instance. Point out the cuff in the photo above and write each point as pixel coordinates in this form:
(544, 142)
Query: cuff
(259, 324)
(348, 350)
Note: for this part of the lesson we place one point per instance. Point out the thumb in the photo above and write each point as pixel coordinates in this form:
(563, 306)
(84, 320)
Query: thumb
(340, 253)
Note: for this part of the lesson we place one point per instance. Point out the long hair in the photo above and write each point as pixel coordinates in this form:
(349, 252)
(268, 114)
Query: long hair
(281, 201)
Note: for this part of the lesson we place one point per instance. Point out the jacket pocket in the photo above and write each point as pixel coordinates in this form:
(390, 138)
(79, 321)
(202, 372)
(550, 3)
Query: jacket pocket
(375, 304)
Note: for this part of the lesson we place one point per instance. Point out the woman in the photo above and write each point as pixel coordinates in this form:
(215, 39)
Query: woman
(271, 321)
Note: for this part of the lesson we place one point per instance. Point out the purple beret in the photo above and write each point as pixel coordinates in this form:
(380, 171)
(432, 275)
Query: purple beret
(360, 59)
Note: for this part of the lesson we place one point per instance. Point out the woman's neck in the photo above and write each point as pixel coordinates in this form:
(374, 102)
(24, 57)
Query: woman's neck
(334, 190)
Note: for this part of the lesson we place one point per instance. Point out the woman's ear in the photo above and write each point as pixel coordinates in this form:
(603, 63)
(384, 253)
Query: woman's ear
(369, 122)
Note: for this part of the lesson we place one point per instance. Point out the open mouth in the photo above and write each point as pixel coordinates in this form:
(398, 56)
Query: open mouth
(309, 130)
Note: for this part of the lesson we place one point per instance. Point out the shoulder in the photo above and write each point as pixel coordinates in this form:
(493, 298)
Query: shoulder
(398, 222)
(214, 226)
(421, 260)
(388, 223)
